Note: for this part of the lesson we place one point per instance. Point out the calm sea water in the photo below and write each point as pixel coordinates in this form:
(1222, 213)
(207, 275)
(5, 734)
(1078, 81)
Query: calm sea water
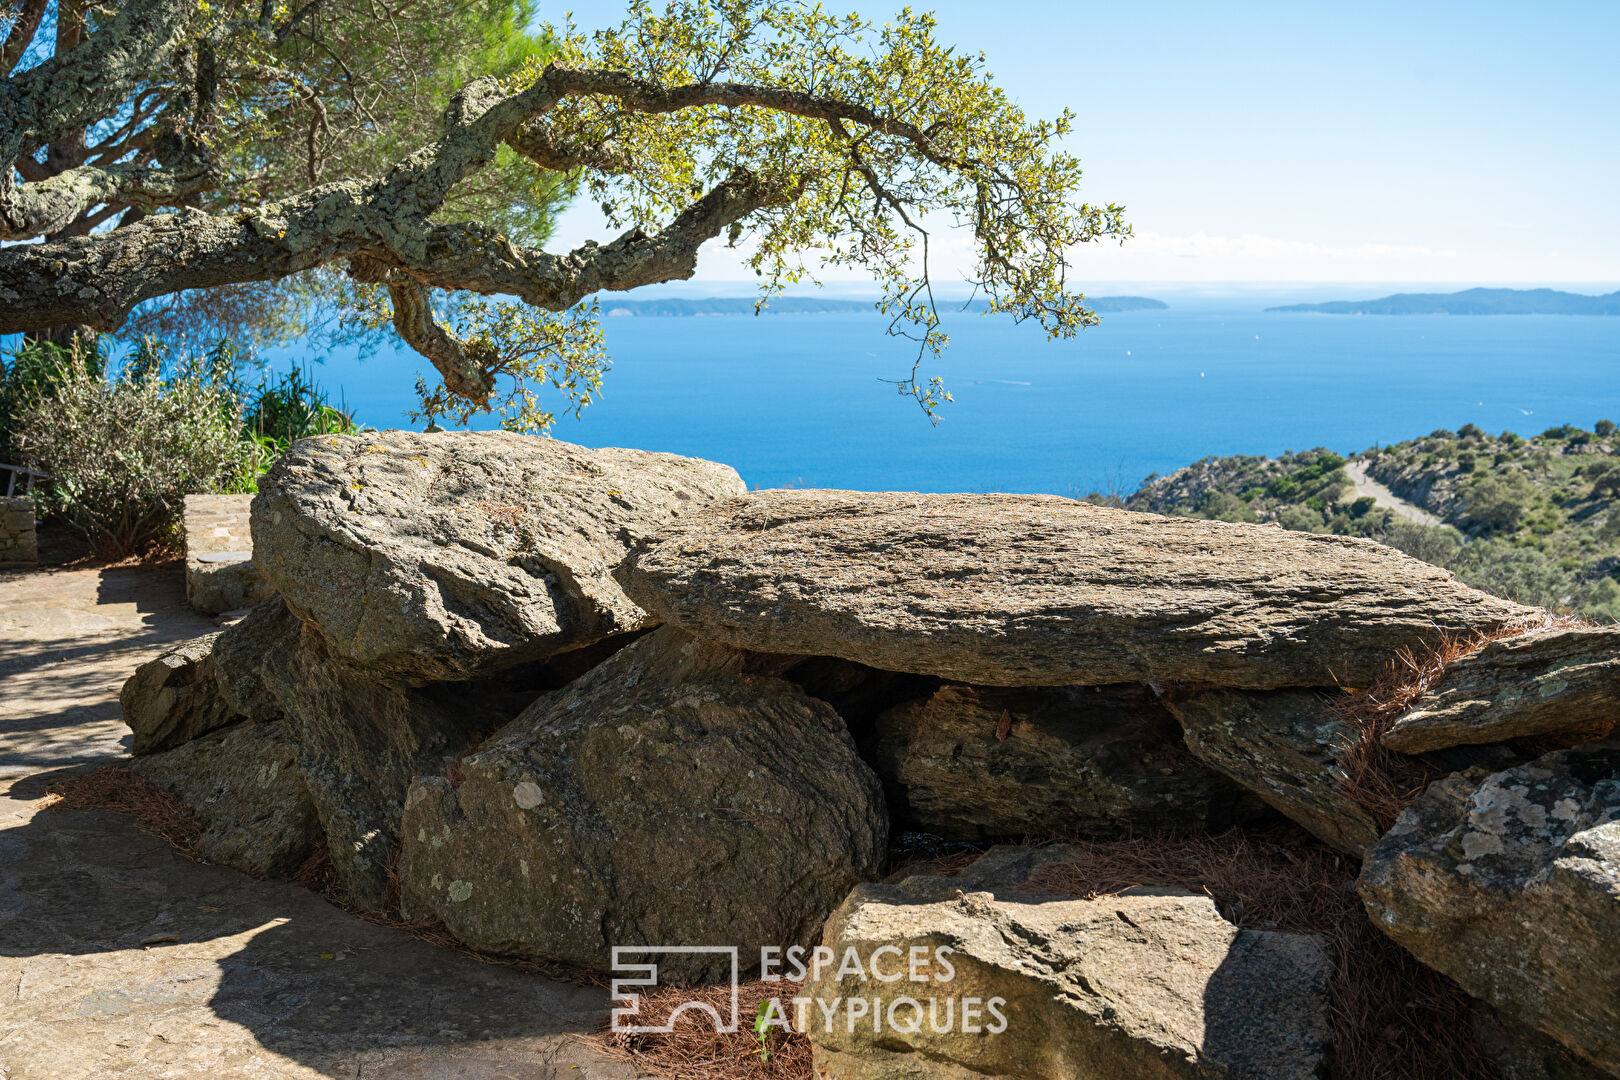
(795, 400)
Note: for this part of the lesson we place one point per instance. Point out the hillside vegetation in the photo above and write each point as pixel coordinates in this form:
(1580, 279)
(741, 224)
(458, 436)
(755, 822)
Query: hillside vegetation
(1529, 519)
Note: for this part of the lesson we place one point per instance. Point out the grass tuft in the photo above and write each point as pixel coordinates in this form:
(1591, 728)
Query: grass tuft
(1384, 782)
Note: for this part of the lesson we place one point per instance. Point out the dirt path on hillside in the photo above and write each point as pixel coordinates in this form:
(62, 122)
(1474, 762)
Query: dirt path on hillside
(1366, 485)
(119, 958)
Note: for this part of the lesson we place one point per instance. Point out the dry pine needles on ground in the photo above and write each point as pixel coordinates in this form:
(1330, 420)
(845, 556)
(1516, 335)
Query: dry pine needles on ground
(1384, 782)
(1391, 1017)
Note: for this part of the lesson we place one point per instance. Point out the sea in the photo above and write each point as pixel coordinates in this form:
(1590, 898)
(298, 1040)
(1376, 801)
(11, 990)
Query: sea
(800, 401)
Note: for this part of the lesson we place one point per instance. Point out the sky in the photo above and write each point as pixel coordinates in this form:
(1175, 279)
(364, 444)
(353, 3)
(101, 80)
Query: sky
(1305, 142)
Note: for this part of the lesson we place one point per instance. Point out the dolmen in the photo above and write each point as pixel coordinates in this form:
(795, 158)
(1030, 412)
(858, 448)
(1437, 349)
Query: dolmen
(568, 701)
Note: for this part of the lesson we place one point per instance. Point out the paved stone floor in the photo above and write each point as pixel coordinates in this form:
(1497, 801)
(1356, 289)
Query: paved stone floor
(262, 979)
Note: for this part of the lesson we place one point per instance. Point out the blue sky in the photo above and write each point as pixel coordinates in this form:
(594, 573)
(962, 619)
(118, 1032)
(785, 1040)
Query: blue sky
(1307, 142)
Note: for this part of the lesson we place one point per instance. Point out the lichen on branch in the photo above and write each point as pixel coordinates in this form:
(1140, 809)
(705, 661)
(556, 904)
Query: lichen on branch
(806, 140)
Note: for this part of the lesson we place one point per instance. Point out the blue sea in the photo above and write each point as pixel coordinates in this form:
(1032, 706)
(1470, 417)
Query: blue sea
(796, 400)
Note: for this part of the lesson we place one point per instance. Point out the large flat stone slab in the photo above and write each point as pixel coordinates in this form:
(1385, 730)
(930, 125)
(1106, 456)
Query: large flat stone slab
(440, 557)
(247, 792)
(1036, 590)
(1561, 683)
(1290, 748)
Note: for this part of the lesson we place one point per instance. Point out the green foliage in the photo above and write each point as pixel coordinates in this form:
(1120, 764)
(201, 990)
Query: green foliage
(1223, 506)
(280, 413)
(1605, 478)
(34, 367)
(858, 195)
(1603, 429)
(1535, 520)
(125, 446)
(124, 451)
(766, 1018)
(526, 349)
(1496, 503)
(353, 89)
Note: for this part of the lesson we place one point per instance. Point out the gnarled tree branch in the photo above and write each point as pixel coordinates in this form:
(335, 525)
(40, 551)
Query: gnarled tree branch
(57, 201)
(917, 130)
(21, 33)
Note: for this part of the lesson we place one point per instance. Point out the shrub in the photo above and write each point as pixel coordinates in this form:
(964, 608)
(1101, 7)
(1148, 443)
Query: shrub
(1559, 433)
(1605, 477)
(282, 412)
(1470, 431)
(34, 367)
(1436, 544)
(1497, 505)
(1465, 462)
(1362, 506)
(1517, 573)
(124, 451)
(1603, 428)
(1301, 519)
(1224, 506)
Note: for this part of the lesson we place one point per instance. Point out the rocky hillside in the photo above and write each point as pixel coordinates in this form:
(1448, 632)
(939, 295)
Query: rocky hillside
(1530, 519)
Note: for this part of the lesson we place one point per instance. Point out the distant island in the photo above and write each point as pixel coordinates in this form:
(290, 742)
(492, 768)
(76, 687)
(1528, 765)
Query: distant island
(815, 305)
(1471, 302)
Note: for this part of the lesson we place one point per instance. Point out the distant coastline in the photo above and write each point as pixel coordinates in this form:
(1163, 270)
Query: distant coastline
(1470, 302)
(815, 305)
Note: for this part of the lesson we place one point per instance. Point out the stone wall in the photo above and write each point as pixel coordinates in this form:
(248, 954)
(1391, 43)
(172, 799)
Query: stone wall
(220, 575)
(18, 544)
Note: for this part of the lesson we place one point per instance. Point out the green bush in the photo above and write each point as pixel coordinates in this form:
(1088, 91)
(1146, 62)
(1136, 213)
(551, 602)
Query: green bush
(1497, 505)
(1301, 519)
(282, 412)
(1605, 477)
(1224, 506)
(1436, 544)
(1604, 428)
(1518, 573)
(124, 451)
(34, 367)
